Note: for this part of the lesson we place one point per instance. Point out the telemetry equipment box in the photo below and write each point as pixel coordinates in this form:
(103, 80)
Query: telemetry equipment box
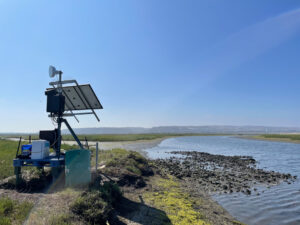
(51, 136)
(55, 102)
(40, 149)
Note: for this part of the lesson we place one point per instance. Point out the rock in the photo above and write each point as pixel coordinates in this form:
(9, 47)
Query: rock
(220, 173)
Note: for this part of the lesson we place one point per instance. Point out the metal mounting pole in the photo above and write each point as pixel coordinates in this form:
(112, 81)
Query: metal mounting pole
(59, 121)
(18, 175)
(59, 118)
(60, 83)
(73, 133)
(97, 149)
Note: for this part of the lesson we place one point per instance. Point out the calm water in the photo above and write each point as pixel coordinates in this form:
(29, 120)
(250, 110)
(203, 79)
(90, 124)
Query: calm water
(276, 205)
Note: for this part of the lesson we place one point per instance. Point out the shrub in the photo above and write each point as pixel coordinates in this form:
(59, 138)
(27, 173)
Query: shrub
(95, 206)
(110, 192)
(91, 207)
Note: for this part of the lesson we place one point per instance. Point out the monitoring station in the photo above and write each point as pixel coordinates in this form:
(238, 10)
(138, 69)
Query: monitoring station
(65, 98)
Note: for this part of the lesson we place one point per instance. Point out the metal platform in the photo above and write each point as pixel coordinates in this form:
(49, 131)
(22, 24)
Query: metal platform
(51, 161)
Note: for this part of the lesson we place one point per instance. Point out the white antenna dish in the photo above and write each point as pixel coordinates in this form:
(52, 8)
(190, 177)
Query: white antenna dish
(53, 71)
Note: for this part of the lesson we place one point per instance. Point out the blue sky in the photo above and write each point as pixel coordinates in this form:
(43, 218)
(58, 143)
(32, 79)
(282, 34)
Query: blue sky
(154, 63)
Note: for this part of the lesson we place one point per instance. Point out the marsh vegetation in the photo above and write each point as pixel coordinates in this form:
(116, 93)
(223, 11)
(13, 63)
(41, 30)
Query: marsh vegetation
(114, 137)
(279, 137)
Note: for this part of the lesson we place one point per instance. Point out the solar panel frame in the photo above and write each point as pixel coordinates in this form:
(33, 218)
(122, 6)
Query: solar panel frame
(80, 97)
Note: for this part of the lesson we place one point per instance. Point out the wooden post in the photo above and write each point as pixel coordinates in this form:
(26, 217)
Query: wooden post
(97, 149)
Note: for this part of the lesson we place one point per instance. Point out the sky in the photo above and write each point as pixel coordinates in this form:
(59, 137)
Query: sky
(153, 63)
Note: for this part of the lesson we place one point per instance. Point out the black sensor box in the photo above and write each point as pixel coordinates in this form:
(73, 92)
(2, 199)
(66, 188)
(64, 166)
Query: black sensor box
(51, 136)
(55, 102)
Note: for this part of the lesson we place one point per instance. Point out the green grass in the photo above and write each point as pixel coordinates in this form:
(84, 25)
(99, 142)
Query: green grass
(7, 154)
(13, 212)
(118, 137)
(294, 137)
(283, 137)
(177, 204)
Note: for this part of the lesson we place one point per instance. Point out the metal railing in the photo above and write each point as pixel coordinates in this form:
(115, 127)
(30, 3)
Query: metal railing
(97, 151)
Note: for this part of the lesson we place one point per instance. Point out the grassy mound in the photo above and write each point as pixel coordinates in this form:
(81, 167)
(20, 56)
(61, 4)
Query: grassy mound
(128, 166)
(13, 212)
(95, 206)
(33, 180)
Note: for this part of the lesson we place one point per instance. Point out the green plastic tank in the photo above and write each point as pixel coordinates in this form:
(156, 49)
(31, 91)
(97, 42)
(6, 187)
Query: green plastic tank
(77, 168)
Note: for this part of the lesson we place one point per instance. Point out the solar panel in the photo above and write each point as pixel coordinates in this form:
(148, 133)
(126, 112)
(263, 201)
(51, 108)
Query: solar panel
(80, 97)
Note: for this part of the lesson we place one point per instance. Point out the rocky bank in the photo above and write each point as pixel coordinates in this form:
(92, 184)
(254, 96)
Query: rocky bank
(219, 173)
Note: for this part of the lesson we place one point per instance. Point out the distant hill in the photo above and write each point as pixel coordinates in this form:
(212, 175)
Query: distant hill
(188, 129)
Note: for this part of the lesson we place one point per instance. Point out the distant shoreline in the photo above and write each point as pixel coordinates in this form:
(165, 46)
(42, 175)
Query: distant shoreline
(116, 137)
(284, 138)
